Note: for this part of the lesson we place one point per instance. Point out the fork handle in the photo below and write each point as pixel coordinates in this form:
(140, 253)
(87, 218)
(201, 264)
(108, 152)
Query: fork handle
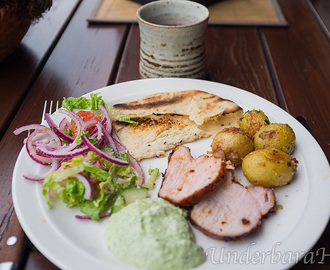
(14, 244)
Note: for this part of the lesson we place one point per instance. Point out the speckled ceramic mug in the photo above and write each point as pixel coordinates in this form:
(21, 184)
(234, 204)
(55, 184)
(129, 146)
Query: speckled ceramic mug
(172, 39)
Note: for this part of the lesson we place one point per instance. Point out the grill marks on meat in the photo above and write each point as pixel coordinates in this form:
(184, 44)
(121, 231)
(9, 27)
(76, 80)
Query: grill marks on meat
(188, 181)
(232, 210)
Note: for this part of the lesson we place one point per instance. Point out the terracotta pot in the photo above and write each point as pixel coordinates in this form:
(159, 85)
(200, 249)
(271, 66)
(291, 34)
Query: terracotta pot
(12, 31)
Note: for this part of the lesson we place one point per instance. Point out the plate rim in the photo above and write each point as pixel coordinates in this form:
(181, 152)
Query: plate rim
(164, 86)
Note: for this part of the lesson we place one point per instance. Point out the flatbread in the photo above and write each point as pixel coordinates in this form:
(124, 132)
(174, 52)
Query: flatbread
(172, 118)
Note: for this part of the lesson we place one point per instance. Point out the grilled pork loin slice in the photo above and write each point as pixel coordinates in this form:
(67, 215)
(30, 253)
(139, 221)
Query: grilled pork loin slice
(232, 210)
(188, 181)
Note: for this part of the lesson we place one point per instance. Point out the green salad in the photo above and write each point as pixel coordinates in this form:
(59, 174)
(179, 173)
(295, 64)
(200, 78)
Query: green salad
(89, 167)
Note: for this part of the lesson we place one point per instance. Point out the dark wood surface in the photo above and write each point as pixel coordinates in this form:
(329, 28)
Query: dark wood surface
(63, 55)
(18, 71)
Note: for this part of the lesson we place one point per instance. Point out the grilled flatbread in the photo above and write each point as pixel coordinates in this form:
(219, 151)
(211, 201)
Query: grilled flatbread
(172, 118)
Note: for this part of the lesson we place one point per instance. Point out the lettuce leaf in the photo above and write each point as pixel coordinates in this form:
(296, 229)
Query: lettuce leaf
(153, 173)
(70, 192)
(116, 115)
(83, 103)
(93, 103)
(98, 173)
(107, 182)
(94, 210)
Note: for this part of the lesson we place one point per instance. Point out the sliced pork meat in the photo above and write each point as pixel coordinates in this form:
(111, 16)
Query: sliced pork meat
(232, 210)
(188, 181)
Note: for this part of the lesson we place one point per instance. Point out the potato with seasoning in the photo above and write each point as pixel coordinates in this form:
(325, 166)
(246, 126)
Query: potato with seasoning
(234, 142)
(269, 167)
(252, 120)
(280, 136)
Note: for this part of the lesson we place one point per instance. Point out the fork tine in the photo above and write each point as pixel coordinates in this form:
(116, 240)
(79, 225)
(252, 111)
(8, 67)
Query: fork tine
(44, 111)
(50, 108)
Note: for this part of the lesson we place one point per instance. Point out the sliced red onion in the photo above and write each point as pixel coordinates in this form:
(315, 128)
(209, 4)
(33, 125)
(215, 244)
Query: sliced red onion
(27, 127)
(64, 124)
(68, 147)
(46, 134)
(31, 148)
(68, 151)
(55, 164)
(78, 121)
(57, 131)
(89, 124)
(46, 141)
(45, 151)
(103, 122)
(109, 140)
(97, 133)
(102, 154)
(107, 118)
(134, 163)
(42, 153)
(40, 137)
(84, 217)
(137, 167)
(100, 135)
(52, 136)
(87, 184)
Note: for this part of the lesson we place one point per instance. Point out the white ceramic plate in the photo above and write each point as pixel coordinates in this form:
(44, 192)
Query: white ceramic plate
(282, 239)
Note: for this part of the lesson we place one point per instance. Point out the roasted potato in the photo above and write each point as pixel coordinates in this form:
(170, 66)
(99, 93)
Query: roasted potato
(234, 142)
(269, 167)
(280, 136)
(252, 120)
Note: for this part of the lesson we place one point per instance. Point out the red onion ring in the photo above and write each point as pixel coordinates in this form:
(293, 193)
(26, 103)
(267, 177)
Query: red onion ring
(109, 140)
(134, 163)
(64, 124)
(83, 217)
(88, 124)
(44, 154)
(27, 127)
(100, 135)
(78, 121)
(87, 184)
(93, 148)
(34, 177)
(107, 118)
(32, 149)
(71, 150)
(57, 131)
(45, 151)
(67, 148)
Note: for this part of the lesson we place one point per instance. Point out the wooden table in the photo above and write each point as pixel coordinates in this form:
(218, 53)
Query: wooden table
(65, 56)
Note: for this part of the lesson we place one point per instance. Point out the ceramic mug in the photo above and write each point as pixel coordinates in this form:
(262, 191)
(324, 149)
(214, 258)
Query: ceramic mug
(172, 39)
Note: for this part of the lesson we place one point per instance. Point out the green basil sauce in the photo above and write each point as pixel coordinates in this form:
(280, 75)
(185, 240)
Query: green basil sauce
(153, 234)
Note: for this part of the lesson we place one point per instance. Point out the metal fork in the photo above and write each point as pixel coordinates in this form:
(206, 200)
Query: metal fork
(14, 244)
(50, 109)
